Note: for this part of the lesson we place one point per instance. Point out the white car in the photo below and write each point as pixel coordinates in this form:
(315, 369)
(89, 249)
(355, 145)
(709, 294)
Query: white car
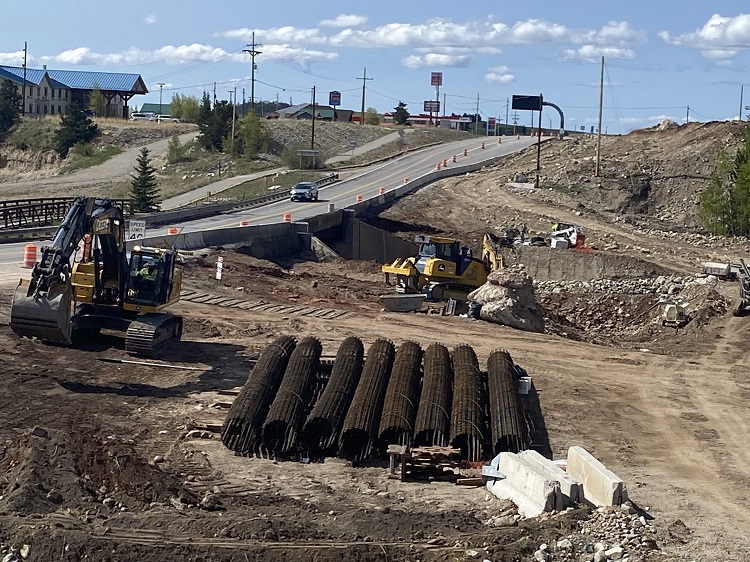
(142, 116)
(166, 119)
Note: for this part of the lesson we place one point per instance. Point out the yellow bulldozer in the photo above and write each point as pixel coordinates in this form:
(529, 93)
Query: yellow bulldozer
(443, 269)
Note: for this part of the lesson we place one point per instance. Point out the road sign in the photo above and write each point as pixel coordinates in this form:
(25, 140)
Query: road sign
(352, 143)
(436, 79)
(491, 121)
(334, 98)
(136, 230)
(530, 103)
(431, 106)
(301, 153)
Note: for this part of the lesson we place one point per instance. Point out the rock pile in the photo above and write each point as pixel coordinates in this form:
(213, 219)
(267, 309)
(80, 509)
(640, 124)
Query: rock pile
(632, 286)
(508, 298)
(611, 533)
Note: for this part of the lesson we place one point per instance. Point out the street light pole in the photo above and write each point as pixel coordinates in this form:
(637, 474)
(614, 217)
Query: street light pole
(161, 89)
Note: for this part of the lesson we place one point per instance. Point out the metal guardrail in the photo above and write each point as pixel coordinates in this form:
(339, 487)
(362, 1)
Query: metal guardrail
(21, 219)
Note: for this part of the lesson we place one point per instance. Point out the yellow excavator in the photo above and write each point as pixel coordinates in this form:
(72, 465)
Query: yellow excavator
(71, 296)
(443, 269)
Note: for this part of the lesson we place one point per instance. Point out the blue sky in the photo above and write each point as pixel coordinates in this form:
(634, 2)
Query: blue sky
(660, 56)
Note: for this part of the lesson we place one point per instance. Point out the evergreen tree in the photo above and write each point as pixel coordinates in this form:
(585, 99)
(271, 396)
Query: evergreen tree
(215, 124)
(400, 115)
(725, 203)
(253, 136)
(10, 105)
(144, 192)
(97, 103)
(75, 127)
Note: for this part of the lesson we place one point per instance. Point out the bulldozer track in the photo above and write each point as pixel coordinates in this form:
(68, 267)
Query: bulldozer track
(217, 300)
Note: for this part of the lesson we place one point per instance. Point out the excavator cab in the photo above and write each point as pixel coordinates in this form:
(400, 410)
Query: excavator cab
(151, 280)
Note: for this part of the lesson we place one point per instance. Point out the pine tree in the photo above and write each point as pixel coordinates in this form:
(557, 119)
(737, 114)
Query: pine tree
(253, 136)
(10, 106)
(75, 127)
(97, 103)
(144, 192)
(400, 115)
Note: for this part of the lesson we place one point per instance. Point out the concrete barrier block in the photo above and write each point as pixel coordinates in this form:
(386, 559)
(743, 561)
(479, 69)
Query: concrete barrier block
(601, 486)
(571, 489)
(531, 490)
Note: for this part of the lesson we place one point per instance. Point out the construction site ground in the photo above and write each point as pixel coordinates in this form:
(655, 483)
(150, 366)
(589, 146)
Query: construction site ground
(123, 453)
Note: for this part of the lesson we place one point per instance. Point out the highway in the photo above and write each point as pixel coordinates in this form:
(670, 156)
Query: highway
(388, 175)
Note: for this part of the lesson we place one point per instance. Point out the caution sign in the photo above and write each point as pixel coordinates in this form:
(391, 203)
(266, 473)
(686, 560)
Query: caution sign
(136, 230)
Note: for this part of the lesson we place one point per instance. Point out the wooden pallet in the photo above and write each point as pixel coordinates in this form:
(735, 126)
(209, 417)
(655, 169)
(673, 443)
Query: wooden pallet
(404, 460)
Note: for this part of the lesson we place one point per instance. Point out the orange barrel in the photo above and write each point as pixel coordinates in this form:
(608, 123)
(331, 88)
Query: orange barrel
(406, 180)
(287, 217)
(244, 223)
(171, 230)
(359, 198)
(466, 152)
(381, 191)
(482, 145)
(437, 166)
(518, 137)
(454, 157)
(445, 162)
(29, 256)
(499, 140)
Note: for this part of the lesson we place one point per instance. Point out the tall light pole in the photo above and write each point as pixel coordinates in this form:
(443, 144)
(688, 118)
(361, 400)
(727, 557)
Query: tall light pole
(253, 52)
(161, 89)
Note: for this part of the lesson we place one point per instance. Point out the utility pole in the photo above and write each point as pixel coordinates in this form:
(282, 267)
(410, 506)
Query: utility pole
(23, 108)
(243, 102)
(437, 103)
(515, 121)
(364, 88)
(476, 118)
(161, 89)
(312, 138)
(253, 52)
(742, 92)
(507, 108)
(214, 94)
(599, 131)
(234, 113)
(687, 117)
(444, 106)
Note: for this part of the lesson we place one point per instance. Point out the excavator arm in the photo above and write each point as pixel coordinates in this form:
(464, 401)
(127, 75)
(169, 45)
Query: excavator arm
(44, 305)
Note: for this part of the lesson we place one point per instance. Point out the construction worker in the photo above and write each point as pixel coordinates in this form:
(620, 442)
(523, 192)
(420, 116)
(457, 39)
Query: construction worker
(147, 276)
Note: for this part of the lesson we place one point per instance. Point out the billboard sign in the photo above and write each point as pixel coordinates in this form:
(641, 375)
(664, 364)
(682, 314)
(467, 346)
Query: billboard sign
(529, 103)
(436, 79)
(334, 98)
(491, 121)
(431, 106)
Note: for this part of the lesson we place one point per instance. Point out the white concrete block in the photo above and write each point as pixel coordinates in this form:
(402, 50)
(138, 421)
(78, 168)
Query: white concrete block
(572, 489)
(601, 486)
(531, 490)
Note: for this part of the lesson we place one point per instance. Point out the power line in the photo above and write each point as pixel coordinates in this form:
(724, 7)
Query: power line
(253, 53)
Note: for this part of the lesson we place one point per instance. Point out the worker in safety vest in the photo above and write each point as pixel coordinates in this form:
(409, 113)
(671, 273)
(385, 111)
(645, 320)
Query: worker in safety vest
(148, 272)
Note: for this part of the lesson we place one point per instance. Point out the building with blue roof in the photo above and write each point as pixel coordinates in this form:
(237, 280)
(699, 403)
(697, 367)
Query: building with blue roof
(49, 92)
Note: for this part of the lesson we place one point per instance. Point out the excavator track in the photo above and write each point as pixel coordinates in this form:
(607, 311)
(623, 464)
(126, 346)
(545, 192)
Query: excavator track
(151, 331)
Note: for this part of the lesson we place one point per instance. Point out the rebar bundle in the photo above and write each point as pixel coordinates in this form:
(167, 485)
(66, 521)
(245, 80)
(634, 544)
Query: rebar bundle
(506, 411)
(289, 409)
(434, 414)
(359, 432)
(243, 425)
(401, 397)
(469, 431)
(321, 430)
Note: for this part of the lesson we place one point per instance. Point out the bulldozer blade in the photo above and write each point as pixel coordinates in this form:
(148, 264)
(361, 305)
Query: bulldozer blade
(46, 317)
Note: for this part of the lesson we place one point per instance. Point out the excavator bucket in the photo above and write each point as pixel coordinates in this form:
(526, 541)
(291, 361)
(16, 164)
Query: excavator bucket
(46, 317)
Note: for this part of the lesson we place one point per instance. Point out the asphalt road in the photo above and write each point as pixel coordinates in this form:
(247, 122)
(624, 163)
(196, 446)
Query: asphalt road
(342, 194)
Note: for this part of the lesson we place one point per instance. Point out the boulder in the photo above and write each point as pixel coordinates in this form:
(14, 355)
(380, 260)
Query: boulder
(508, 298)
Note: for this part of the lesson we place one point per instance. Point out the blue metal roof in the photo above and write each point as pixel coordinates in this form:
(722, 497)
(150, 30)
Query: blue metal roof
(80, 80)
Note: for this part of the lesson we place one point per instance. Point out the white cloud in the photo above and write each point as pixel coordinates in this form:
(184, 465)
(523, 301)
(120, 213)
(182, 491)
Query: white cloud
(155, 86)
(499, 75)
(150, 19)
(720, 39)
(345, 20)
(287, 34)
(612, 34)
(436, 59)
(592, 53)
(659, 118)
(169, 54)
(631, 120)
(460, 50)
(14, 59)
(297, 55)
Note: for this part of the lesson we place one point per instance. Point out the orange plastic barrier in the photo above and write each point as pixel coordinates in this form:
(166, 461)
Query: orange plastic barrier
(29, 256)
